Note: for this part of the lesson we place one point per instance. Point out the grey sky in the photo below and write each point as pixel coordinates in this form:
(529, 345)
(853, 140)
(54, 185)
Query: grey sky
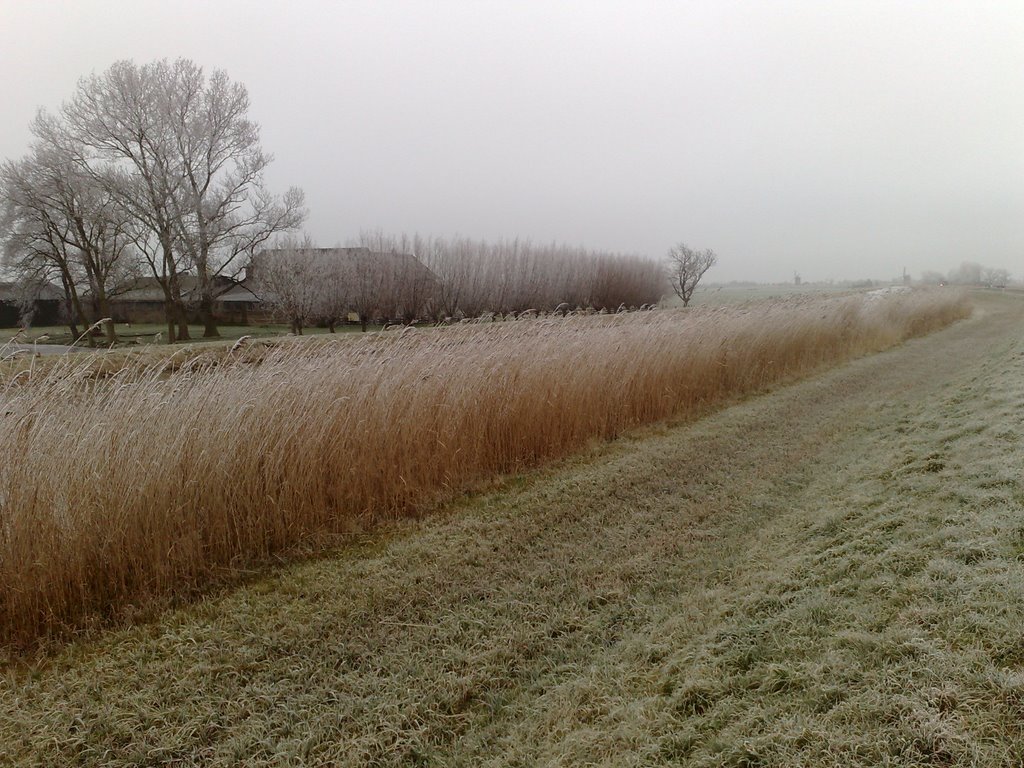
(840, 140)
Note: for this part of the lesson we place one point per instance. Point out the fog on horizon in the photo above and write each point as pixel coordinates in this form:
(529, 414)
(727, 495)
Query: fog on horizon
(845, 140)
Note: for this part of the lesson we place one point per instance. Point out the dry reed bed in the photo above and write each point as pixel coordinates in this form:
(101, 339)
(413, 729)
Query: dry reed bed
(141, 484)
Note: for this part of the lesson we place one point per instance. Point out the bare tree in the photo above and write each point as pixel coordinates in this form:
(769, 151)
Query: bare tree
(63, 226)
(35, 245)
(335, 293)
(366, 281)
(994, 277)
(436, 255)
(686, 268)
(968, 273)
(291, 281)
(223, 210)
(407, 287)
(115, 118)
(183, 160)
(473, 267)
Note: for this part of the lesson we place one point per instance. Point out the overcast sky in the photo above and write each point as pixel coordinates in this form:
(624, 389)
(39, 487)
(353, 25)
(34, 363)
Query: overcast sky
(836, 139)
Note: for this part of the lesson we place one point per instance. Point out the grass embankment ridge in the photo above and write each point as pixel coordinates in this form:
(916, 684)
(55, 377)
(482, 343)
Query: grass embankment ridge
(143, 484)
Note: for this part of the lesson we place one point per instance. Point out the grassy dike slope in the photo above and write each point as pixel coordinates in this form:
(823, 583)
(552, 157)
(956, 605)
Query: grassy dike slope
(827, 574)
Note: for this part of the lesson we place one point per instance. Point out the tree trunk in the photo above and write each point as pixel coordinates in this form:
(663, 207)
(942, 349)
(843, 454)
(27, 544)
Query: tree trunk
(206, 315)
(74, 308)
(169, 316)
(172, 292)
(103, 307)
(183, 334)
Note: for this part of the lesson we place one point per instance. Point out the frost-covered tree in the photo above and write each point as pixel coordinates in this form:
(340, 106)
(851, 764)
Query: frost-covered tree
(686, 267)
(179, 153)
(64, 227)
(294, 282)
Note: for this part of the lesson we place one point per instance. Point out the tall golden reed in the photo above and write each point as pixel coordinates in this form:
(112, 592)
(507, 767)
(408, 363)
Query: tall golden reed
(142, 484)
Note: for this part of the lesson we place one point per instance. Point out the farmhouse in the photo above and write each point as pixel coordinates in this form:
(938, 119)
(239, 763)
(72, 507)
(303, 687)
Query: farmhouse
(351, 256)
(394, 284)
(16, 309)
(143, 300)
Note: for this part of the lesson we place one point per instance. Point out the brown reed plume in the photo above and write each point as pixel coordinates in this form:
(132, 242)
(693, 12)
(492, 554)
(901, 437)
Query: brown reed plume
(144, 482)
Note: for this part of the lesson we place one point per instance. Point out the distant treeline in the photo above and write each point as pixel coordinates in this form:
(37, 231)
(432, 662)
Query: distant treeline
(463, 278)
(969, 273)
(514, 275)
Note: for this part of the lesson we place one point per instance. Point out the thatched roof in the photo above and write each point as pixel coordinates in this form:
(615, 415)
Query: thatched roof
(14, 292)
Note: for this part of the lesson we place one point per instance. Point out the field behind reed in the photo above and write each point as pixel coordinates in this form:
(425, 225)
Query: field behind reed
(142, 483)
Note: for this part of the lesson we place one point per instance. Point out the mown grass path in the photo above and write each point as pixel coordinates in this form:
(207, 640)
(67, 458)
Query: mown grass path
(828, 574)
